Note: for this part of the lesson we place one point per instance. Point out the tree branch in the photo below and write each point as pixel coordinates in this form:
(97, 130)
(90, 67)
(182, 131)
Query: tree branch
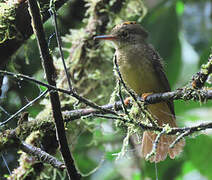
(200, 77)
(23, 108)
(51, 87)
(54, 97)
(183, 93)
(41, 155)
(24, 29)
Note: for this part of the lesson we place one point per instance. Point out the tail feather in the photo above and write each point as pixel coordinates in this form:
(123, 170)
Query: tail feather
(173, 152)
(162, 148)
(163, 115)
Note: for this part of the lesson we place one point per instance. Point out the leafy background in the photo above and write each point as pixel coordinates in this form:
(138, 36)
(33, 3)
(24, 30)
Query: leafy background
(181, 33)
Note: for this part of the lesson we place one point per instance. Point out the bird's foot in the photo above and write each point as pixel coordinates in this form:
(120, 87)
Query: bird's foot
(144, 95)
(127, 101)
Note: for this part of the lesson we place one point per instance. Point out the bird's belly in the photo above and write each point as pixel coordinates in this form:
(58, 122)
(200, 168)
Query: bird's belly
(140, 77)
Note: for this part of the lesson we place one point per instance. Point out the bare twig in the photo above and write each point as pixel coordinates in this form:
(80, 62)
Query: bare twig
(53, 13)
(51, 87)
(41, 155)
(77, 114)
(5, 162)
(92, 104)
(23, 108)
(108, 117)
(31, 79)
(54, 97)
(122, 100)
(183, 93)
(116, 67)
(186, 133)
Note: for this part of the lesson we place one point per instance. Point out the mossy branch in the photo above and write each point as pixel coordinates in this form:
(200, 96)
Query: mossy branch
(54, 96)
(15, 26)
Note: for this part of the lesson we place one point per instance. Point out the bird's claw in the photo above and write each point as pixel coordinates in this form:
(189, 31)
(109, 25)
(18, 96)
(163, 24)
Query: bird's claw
(144, 95)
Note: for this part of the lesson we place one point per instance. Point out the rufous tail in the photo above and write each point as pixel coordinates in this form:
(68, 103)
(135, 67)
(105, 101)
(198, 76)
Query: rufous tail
(163, 148)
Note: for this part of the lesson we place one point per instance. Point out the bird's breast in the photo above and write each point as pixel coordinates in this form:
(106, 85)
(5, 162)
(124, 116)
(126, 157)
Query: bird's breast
(137, 71)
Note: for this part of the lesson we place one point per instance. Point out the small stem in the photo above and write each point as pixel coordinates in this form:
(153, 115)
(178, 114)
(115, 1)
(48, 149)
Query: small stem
(23, 108)
(53, 12)
(186, 133)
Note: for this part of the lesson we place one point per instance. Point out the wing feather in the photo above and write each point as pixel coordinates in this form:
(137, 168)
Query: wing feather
(159, 70)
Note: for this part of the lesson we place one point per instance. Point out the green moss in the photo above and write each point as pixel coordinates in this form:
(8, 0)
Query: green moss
(6, 140)
(7, 19)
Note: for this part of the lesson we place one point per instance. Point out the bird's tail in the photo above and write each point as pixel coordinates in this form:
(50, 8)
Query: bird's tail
(162, 147)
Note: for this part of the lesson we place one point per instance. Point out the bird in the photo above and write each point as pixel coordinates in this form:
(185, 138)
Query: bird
(142, 71)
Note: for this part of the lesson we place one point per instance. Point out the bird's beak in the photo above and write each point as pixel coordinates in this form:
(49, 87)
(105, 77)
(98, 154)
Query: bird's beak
(105, 37)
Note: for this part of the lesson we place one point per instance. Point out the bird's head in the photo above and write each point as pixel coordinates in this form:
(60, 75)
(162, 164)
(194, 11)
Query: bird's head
(125, 34)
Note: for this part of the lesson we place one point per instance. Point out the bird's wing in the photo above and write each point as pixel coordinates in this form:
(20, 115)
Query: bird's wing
(152, 54)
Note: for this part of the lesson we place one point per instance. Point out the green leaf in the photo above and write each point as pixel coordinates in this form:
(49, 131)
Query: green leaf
(43, 88)
(179, 7)
(198, 152)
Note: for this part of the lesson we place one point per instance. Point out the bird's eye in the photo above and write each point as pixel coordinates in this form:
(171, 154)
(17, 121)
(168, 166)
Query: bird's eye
(124, 34)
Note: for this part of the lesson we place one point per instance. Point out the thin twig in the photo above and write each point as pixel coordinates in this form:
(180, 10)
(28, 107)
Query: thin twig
(107, 117)
(31, 79)
(183, 93)
(92, 104)
(122, 100)
(54, 97)
(155, 144)
(6, 164)
(116, 67)
(76, 114)
(145, 112)
(75, 95)
(41, 155)
(24, 108)
(7, 113)
(186, 133)
(53, 13)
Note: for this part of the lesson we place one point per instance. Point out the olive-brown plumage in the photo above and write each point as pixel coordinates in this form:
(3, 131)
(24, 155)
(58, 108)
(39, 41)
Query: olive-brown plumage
(141, 69)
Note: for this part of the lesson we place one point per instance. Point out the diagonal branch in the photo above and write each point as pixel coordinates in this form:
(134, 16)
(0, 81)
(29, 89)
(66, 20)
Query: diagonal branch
(52, 87)
(200, 77)
(54, 97)
(41, 155)
(23, 108)
(183, 93)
